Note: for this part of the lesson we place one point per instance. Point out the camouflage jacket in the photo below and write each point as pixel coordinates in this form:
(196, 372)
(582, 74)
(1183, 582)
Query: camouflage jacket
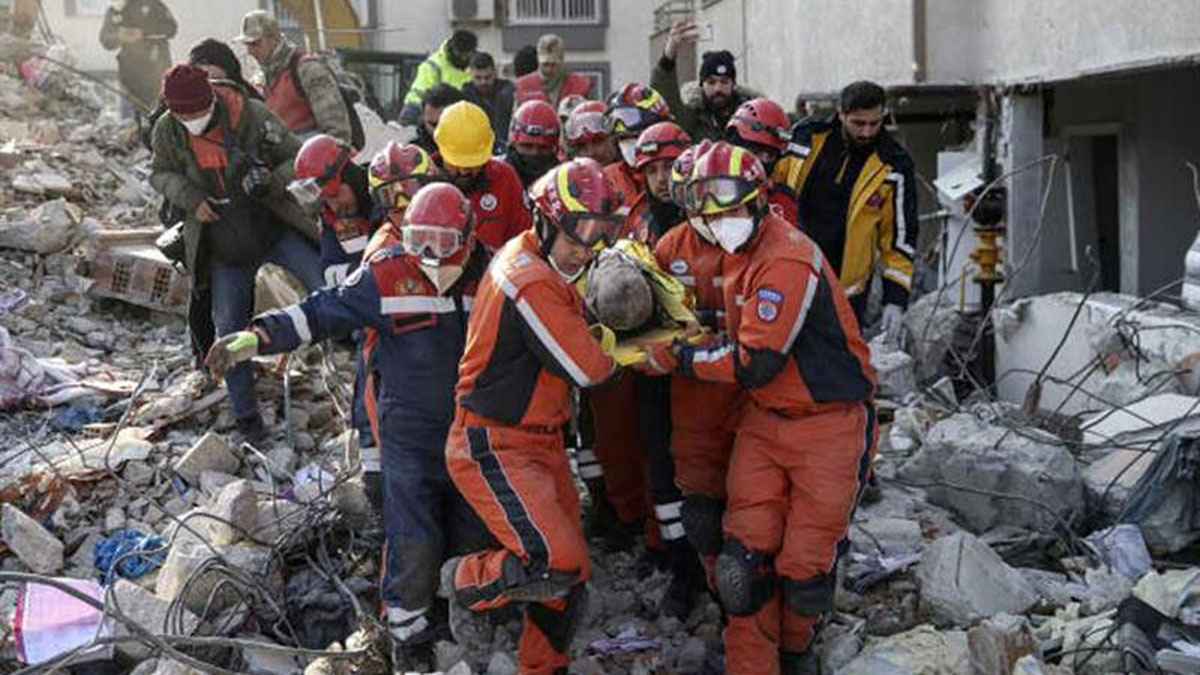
(320, 85)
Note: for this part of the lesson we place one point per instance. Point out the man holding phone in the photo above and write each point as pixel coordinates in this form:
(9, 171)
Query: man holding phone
(705, 110)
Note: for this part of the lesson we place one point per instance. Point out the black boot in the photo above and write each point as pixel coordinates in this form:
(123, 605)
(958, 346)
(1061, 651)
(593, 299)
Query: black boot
(412, 658)
(688, 581)
(799, 663)
(250, 430)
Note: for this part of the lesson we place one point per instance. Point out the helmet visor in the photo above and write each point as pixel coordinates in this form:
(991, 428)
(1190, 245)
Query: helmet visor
(591, 228)
(397, 194)
(779, 134)
(534, 130)
(625, 119)
(720, 193)
(589, 126)
(430, 241)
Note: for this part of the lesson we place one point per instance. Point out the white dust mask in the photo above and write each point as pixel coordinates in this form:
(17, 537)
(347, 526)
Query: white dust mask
(732, 232)
(441, 276)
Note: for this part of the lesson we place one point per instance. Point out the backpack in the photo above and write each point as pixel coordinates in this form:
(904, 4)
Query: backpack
(350, 96)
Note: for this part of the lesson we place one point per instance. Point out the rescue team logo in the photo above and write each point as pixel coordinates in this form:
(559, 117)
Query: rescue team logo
(488, 202)
(768, 304)
(407, 287)
(876, 200)
(679, 266)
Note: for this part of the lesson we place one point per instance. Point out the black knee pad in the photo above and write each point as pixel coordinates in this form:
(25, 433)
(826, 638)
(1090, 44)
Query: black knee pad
(702, 523)
(745, 580)
(559, 627)
(809, 597)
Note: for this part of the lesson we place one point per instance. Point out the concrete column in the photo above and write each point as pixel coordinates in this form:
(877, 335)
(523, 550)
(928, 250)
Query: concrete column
(1021, 142)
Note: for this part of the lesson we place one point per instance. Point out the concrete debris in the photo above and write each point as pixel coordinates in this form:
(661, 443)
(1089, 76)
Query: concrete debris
(210, 453)
(37, 548)
(235, 508)
(996, 644)
(921, 651)
(929, 327)
(894, 374)
(179, 578)
(963, 581)
(1029, 665)
(150, 612)
(992, 475)
(1124, 549)
(49, 228)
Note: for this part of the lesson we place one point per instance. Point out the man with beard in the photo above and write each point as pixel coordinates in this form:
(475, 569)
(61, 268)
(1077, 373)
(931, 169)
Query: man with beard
(464, 152)
(533, 141)
(445, 65)
(552, 82)
(704, 112)
(433, 103)
(492, 93)
(857, 199)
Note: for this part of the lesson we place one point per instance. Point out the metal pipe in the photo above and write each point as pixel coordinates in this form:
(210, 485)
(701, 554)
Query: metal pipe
(319, 19)
(1071, 233)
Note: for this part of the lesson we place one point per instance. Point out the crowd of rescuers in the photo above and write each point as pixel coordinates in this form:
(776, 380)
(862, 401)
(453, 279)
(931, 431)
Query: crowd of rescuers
(459, 272)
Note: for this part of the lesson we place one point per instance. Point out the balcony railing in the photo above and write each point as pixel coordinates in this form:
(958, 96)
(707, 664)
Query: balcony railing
(543, 12)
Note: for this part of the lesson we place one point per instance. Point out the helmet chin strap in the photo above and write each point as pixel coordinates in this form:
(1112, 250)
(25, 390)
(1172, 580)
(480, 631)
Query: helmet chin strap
(569, 278)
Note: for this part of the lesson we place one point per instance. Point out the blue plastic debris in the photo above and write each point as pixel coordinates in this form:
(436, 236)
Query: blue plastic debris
(74, 417)
(138, 553)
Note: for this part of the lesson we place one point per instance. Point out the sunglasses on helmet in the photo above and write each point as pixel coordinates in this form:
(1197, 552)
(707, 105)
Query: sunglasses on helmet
(590, 229)
(534, 130)
(717, 194)
(625, 119)
(398, 193)
(754, 125)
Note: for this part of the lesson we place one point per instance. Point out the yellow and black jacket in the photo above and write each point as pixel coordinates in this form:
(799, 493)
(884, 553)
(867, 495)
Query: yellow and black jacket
(881, 220)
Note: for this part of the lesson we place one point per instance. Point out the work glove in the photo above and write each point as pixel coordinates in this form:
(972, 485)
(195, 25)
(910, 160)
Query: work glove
(336, 274)
(891, 323)
(661, 359)
(231, 350)
(257, 182)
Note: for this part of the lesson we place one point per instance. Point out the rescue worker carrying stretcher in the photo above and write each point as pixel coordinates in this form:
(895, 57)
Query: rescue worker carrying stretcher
(528, 345)
(805, 441)
(417, 296)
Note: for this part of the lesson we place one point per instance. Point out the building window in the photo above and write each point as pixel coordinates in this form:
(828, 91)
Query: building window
(84, 7)
(553, 12)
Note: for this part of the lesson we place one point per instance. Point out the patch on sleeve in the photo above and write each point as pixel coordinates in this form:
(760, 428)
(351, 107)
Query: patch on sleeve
(767, 310)
(770, 295)
(876, 200)
(679, 266)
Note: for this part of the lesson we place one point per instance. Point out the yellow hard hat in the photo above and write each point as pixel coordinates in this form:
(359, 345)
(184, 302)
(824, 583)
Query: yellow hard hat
(464, 135)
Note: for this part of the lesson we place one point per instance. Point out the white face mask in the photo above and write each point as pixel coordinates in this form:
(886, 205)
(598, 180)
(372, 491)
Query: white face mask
(731, 232)
(441, 276)
(628, 147)
(197, 126)
(702, 229)
(569, 278)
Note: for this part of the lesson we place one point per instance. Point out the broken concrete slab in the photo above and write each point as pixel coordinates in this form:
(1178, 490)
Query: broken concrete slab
(40, 550)
(44, 183)
(997, 643)
(148, 611)
(185, 557)
(963, 580)
(1028, 477)
(49, 228)
(929, 327)
(211, 453)
(886, 537)
(235, 510)
(921, 651)
(894, 375)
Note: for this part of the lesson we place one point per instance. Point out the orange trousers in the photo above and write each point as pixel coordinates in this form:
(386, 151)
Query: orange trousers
(793, 485)
(519, 482)
(618, 448)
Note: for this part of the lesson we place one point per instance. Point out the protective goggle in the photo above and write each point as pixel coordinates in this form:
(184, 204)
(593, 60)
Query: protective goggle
(430, 241)
(534, 130)
(712, 195)
(310, 191)
(678, 189)
(397, 194)
(780, 133)
(591, 229)
(590, 125)
(626, 119)
(653, 147)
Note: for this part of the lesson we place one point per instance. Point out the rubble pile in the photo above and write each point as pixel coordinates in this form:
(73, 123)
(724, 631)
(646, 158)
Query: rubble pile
(1009, 535)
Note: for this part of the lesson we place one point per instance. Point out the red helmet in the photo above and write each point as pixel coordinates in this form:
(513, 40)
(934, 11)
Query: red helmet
(681, 170)
(760, 121)
(568, 105)
(663, 140)
(634, 107)
(724, 178)
(397, 172)
(585, 127)
(438, 224)
(319, 166)
(590, 106)
(534, 122)
(578, 199)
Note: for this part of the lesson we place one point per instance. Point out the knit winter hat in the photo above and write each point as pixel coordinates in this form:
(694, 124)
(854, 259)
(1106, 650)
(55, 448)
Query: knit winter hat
(717, 63)
(185, 89)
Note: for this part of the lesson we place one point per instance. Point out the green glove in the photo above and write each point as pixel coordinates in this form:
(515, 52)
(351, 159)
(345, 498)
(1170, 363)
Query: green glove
(231, 350)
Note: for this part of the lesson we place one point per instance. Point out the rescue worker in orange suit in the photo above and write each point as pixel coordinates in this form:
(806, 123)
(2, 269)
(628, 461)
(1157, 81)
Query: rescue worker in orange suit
(533, 141)
(464, 140)
(552, 82)
(418, 297)
(704, 415)
(805, 441)
(761, 126)
(528, 345)
(328, 180)
(396, 173)
(631, 110)
(585, 134)
(620, 515)
(858, 200)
